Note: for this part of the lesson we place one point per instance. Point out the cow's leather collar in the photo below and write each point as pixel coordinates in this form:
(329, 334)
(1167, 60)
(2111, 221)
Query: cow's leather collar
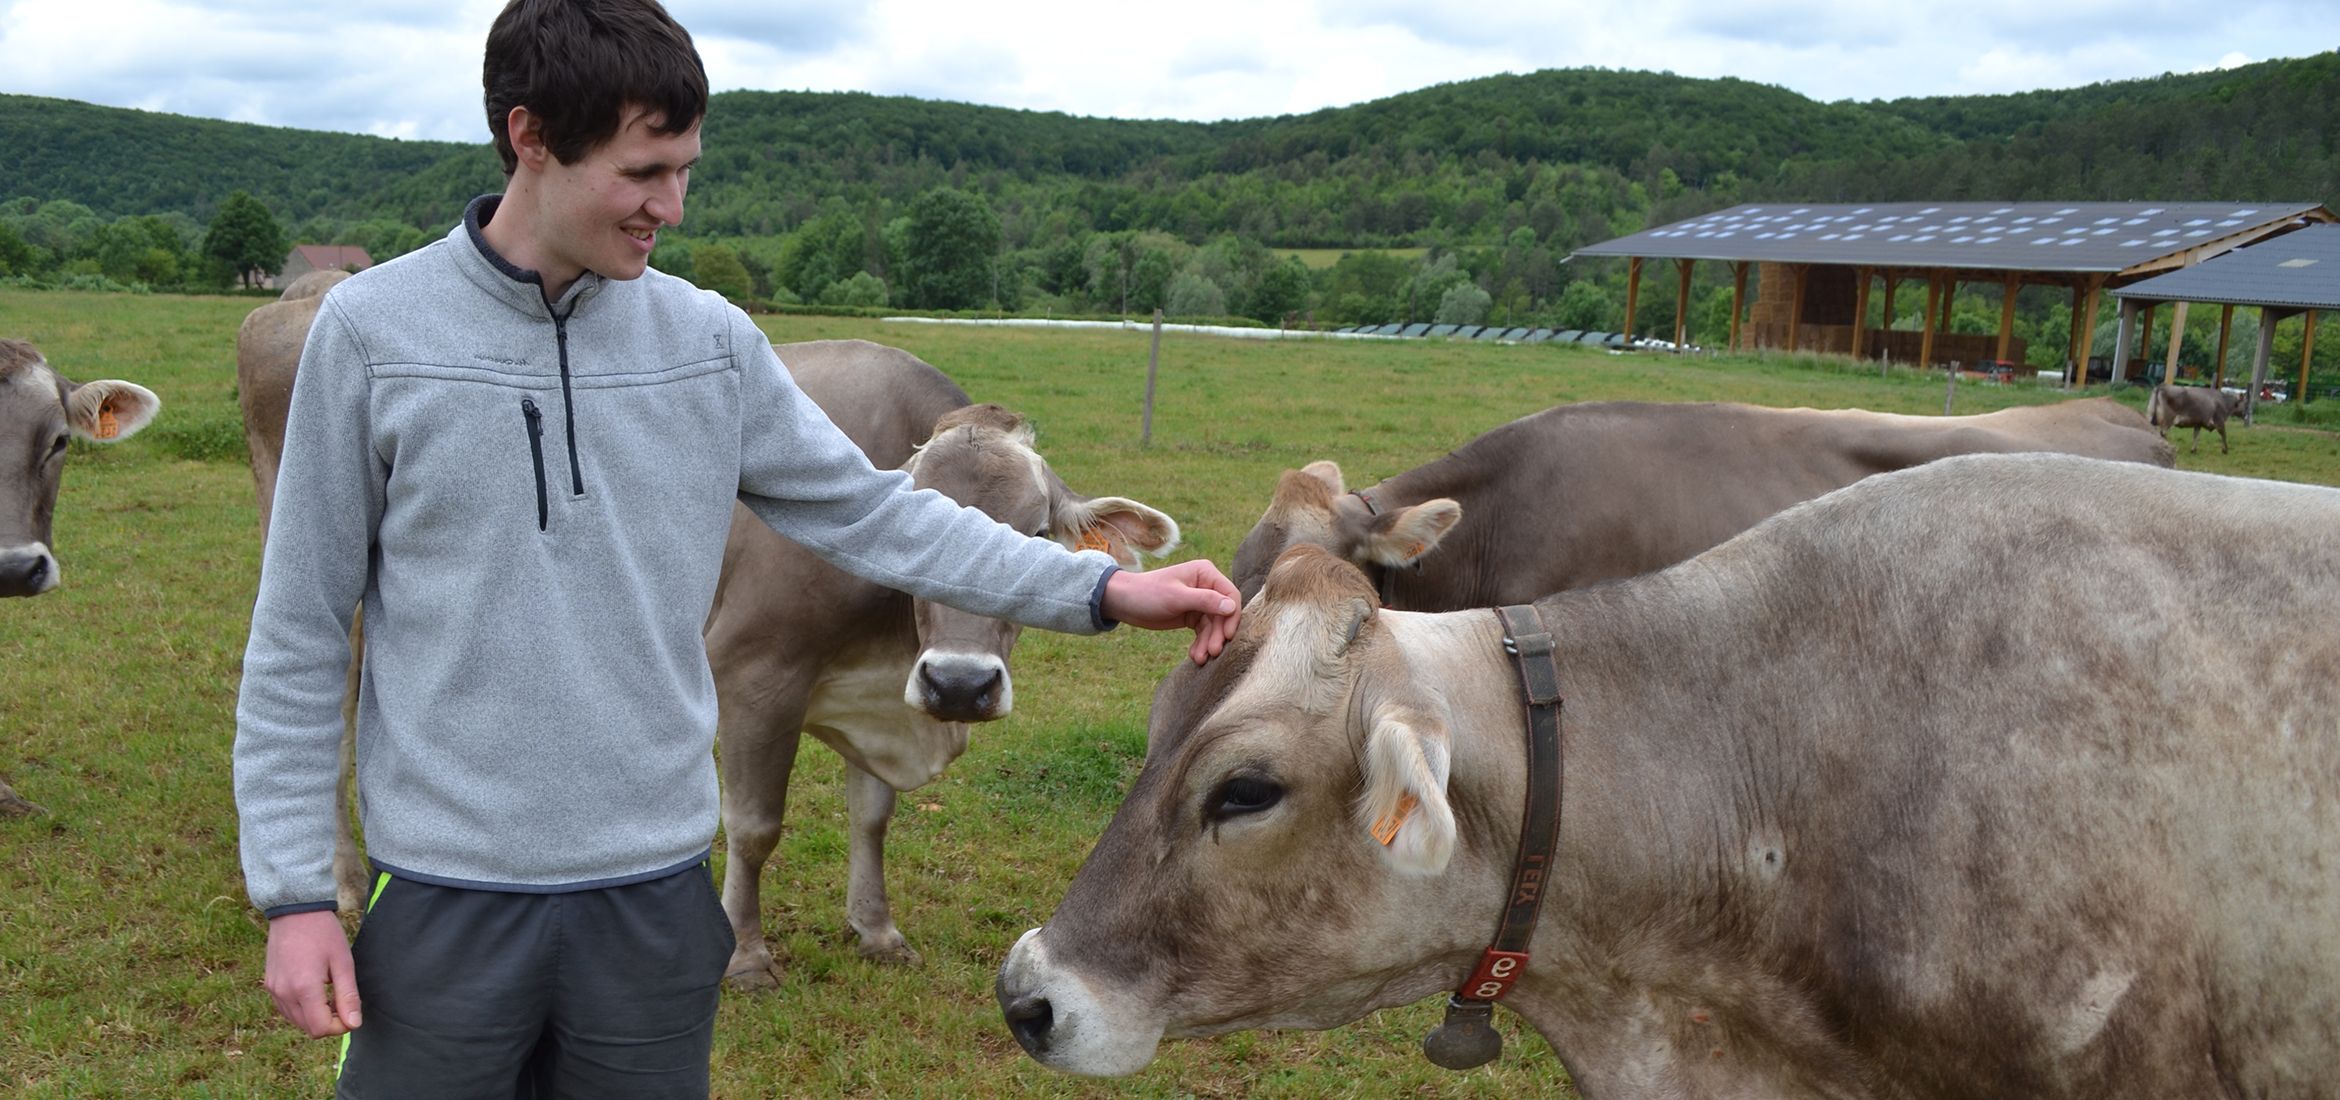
(1465, 1039)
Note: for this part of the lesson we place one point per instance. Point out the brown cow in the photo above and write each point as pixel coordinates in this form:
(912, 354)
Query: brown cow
(799, 646)
(1830, 825)
(1579, 494)
(39, 411)
(2195, 407)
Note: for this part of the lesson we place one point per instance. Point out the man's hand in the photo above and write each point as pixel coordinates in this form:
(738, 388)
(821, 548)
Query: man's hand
(308, 952)
(1189, 594)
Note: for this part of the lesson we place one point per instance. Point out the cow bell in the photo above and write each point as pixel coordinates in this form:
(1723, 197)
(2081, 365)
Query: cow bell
(1467, 1039)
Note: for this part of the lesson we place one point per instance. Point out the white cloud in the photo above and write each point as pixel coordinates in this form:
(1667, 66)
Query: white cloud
(410, 68)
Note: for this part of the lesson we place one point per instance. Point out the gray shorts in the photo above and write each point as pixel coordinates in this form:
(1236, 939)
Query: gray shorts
(608, 992)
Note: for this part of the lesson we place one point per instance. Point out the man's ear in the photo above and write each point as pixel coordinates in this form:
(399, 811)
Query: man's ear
(109, 410)
(1404, 806)
(525, 131)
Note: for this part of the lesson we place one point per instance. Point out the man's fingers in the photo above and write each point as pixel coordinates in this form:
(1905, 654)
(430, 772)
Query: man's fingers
(306, 1008)
(345, 991)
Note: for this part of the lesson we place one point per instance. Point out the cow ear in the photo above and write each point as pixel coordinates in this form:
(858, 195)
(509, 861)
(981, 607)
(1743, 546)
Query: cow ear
(1404, 807)
(1403, 536)
(109, 410)
(1328, 472)
(1119, 526)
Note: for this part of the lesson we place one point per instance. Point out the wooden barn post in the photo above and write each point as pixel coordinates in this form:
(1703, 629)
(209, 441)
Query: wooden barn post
(2006, 319)
(2225, 328)
(1682, 305)
(1926, 327)
(2177, 337)
(1803, 275)
(1860, 345)
(2307, 354)
(1632, 295)
(1738, 299)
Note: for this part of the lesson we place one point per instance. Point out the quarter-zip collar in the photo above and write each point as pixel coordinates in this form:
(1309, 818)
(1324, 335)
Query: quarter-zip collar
(508, 282)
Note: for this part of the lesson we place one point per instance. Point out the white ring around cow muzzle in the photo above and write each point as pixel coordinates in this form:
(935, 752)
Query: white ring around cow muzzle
(960, 687)
(1065, 1023)
(28, 570)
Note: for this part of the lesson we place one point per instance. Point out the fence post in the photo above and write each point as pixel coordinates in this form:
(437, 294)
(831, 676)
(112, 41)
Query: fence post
(1153, 362)
(1950, 395)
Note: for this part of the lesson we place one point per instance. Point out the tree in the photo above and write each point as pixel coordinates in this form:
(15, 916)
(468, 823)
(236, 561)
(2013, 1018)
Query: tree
(1282, 290)
(1193, 295)
(1463, 304)
(16, 256)
(246, 237)
(717, 267)
(948, 249)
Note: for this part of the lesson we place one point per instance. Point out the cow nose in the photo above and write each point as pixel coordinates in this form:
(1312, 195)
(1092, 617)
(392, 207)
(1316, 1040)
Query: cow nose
(960, 692)
(24, 574)
(1029, 1017)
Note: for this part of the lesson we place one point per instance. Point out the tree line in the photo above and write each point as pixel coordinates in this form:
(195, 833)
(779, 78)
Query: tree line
(1459, 203)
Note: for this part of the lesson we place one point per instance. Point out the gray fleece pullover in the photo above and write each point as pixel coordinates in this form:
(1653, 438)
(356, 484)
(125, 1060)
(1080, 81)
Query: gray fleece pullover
(531, 503)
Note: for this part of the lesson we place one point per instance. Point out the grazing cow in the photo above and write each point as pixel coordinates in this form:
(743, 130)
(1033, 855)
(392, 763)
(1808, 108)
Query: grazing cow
(2195, 407)
(1584, 493)
(888, 682)
(39, 410)
(1834, 821)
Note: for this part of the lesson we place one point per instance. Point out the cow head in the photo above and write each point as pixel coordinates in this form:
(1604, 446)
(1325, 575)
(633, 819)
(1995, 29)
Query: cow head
(982, 456)
(39, 410)
(1289, 855)
(1311, 508)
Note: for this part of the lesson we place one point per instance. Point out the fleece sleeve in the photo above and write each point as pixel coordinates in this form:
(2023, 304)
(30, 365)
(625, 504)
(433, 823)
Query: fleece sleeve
(805, 478)
(329, 498)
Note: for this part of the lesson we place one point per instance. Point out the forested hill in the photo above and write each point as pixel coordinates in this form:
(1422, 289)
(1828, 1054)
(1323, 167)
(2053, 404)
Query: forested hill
(1575, 154)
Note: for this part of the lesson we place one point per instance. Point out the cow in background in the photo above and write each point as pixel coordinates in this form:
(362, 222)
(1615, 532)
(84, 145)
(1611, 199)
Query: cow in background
(2195, 407)
(891, 683)
(40, 410)
(1580, 494)
(1828, 826)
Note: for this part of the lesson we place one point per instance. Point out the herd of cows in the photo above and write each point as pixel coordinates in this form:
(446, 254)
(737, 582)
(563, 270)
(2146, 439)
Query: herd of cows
(1899, 756)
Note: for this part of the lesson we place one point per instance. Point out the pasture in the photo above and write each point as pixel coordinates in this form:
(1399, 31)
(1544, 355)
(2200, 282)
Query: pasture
(130, 963)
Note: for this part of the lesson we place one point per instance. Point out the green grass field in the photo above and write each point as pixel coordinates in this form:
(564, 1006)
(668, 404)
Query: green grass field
(130, 963)
(1320, 258)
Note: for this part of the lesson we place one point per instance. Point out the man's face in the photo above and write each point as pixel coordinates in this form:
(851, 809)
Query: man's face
(605, 210)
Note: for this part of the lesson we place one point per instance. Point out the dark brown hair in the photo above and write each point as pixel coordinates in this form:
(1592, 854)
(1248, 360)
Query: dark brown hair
(579, 64)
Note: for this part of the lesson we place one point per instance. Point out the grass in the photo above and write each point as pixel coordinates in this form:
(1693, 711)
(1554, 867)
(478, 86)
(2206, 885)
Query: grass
(1318, 259)
(129, 962)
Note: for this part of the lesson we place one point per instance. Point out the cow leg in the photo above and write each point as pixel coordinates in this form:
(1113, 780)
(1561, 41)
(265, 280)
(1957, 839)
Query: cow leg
(2222, 437)
(757, 760)
(11, 805)
(869, 809)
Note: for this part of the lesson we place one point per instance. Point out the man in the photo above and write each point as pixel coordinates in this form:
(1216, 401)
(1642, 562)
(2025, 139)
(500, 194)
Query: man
(518, 449)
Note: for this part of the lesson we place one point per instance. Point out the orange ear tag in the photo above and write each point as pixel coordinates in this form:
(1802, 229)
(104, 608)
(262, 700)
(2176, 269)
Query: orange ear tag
(1386, 829)
(107, 426)
(1091, 539)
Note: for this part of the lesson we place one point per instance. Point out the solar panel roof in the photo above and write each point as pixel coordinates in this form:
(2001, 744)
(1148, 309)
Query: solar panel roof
(2300, 269)
(2026, 236)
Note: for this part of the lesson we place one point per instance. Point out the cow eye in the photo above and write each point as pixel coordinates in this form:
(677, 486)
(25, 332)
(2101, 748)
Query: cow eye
(1244, 794)
(58, 447)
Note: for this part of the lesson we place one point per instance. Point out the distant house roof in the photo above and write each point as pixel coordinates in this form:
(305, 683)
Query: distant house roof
(2021, 236)
(333, 257)
(2298, 270)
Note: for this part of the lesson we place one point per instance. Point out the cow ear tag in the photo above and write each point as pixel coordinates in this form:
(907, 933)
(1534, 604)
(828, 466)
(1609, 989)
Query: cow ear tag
(1093, 539)
(1466, 1040)
(1386, 829)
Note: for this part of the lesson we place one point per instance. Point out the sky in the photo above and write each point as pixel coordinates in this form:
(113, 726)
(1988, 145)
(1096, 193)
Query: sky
(410, 68)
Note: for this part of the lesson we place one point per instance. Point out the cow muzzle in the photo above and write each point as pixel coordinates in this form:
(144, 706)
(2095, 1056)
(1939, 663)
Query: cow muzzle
(960, 687)
(1066, 1024)
(28, 570)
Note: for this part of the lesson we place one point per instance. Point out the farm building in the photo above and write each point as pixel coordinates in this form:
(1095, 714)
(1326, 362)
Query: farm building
(305, 258)
(1818, 263)
(2296, 274)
